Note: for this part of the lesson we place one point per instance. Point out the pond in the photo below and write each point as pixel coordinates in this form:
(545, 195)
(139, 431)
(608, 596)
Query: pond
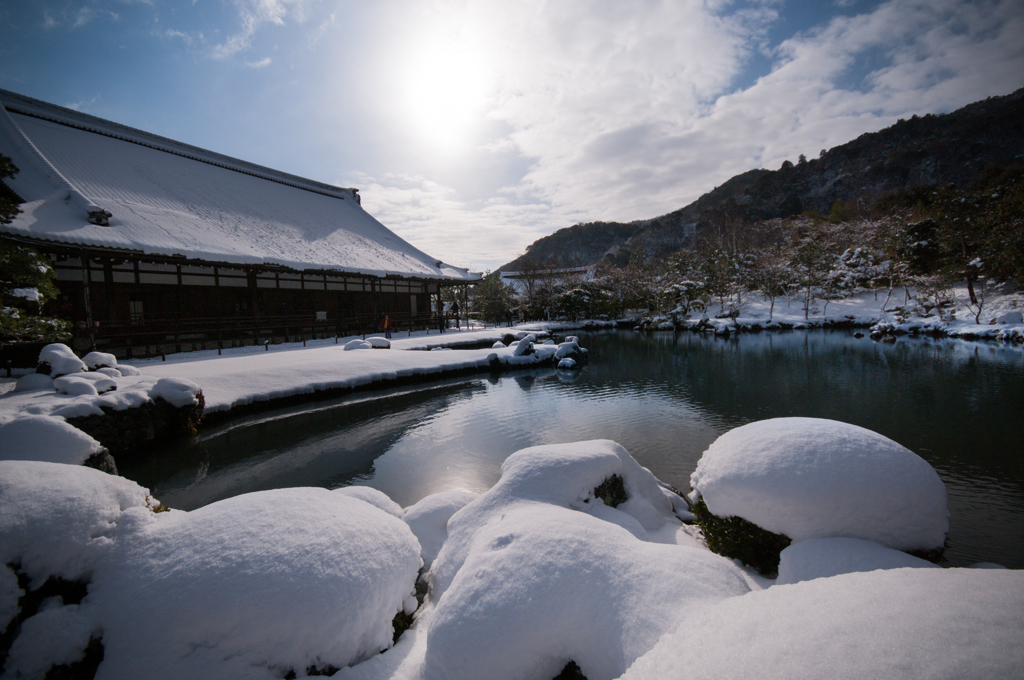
(665, 398)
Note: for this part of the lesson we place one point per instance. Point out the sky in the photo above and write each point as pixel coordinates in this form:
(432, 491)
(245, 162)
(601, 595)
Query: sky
(474, 127)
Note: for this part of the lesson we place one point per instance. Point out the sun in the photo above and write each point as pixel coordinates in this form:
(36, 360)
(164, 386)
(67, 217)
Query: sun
(446, 83)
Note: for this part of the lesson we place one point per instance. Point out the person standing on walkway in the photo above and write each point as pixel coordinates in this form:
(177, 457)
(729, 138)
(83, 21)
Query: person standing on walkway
(455, 313)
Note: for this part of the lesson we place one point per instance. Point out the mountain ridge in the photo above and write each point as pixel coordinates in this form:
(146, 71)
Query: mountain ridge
(952, 148)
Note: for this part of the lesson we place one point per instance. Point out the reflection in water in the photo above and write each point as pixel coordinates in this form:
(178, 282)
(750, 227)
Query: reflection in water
(665, 398)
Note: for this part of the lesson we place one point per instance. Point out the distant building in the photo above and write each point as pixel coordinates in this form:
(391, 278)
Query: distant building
(158, 244)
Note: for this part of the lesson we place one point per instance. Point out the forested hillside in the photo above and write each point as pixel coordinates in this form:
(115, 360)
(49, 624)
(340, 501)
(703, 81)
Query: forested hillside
(950, 149)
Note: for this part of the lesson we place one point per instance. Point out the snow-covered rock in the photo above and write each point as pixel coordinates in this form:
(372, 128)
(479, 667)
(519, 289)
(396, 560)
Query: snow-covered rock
(567, 363)
(373, 497)
(522, 348)
(252, 586)
(176, 391)
(34, 381)
(498, 344)
(58, 519)
(57, 359)
(46, 438)
(126, 370)
(357, 344)
(824, 557)
(378, 342)
(1013, 317)
(812, 478)
(96, 360)
(429, 517)
(76, 384)
(528, 566)
(899, 623)
(54, 636)
(10, 593)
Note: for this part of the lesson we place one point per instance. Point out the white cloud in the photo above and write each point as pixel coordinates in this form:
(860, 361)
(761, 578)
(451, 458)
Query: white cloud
(432, 216)
(628, 112)
(255, 14)
(82, 104)
(262, 63)
(185, 37)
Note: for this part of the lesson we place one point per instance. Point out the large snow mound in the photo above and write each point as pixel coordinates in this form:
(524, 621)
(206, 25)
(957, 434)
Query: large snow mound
(538, 572)
(57, 519)
(46, 438)
(563, 475)
(902, 623)
(253, 586)
(545, 585)
(814, 478)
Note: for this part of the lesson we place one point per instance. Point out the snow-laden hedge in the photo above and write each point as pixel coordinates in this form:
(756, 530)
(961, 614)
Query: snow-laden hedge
(806, 478)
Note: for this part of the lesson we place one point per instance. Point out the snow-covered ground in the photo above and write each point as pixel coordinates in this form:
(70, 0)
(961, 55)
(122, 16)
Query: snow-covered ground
(532, 574)
(577, 555)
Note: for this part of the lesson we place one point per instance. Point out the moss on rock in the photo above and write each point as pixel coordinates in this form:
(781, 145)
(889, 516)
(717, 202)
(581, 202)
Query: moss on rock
(612, 491)
(735, 537)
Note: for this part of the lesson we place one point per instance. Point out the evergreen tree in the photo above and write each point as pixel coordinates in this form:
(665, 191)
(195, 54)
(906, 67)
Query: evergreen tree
(26, 283)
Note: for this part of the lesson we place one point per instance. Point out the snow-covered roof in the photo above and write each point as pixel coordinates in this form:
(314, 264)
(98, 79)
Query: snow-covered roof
(168, 198)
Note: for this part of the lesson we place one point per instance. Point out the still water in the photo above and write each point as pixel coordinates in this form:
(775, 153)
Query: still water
(959, 405)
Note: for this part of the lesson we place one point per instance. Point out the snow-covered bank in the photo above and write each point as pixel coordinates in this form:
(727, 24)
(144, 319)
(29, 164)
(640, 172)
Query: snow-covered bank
(576, 556)
(999, 318)
(245, 376)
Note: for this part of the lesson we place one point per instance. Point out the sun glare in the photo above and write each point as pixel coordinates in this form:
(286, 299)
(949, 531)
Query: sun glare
(445, 91)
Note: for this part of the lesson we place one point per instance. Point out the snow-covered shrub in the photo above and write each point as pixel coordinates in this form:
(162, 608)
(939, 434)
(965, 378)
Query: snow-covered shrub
(538, 571)
(46, 438)
(125, 369)
(253, 586)
(805, 478)
(57, 359)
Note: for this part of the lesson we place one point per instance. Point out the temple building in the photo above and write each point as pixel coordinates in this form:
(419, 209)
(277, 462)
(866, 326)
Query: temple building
(159, 246)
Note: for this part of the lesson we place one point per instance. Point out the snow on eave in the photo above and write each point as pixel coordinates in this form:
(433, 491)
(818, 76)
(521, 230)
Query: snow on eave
(17, 103)
(159, 219)
(448, 273)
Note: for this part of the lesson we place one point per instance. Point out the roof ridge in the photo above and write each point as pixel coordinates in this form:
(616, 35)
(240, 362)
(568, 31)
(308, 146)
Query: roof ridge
(35, 108)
